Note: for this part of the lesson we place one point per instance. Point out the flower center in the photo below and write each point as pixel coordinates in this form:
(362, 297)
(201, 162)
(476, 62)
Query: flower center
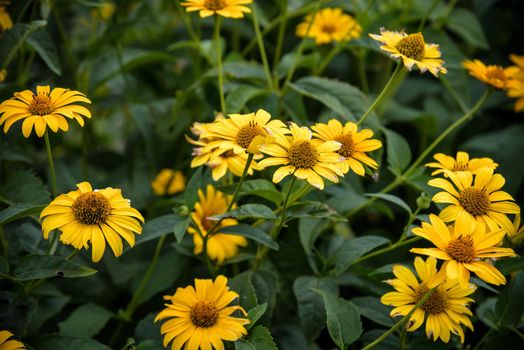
(302, 154)
(412, 46)
(461, 166)
(328, 28)
(496, 73)
(91, 208)
(214, 5)
(462, 249)
(436, 302)
(41, 105)
(247, 133)
(204, 314)
(348, 145)
(474, 201)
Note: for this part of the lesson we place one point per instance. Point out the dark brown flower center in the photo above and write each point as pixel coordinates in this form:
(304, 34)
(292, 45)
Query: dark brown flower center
(462, 249)
(247, 133)
(41, 105)
(91, 208)
(204, 314)
(461, 166)
(214, 5)
(348, 145)
(475, 201)
(412, 46)
(302, 154)
(436, 302)
(328, 28)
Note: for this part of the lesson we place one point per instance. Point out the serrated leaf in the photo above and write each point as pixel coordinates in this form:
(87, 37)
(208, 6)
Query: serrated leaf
(259, 339)
(391, 198)
(86, 320)
(374, 310)
(311, 209)
(44, 46)
(255, 314)
(249, 211)
(398, 151)
(252, 233)
(191, 192)
(243, 285)
(44, 266)
(13, 39)
(24, 187)
(352, 249)
(237, 98)
(19, 211)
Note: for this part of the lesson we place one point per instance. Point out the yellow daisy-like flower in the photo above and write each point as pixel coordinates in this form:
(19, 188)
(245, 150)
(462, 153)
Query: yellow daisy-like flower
(225, 8)
(444, 311)
(45, 109)
(462, 162)
(220, 246)
(5, 20)
(168, 182)
(475, 199)
(516, 89)
(354, 144)
(200, 317)
(6, 344)
(330, 24)
(412, 49)
(462, 247)
(492, 75)
(306, 158)
(104, 12)
(95, 216)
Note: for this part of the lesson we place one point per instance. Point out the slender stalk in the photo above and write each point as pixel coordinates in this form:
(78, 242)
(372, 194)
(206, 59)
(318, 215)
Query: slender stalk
(262, 48)
(427, 14)
(361, 64)
(51, 163)
(332, 53)
(392, 247)
(401, 322)
(456, 98)
(382, 94)
(218, 48)
(280, 37)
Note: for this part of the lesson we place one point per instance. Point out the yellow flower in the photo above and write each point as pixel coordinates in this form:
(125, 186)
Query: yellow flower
(168, 182)
(220, 246)
(45, 109)
(104, 12)
(3, 75)
(475, 199)
(492, 75)
(412, 49)
(200, 316)
(462, 247)
(6, 344)
(226, 8)
(516, 89)
(330, 24)
(460, 163)
(518, 229)
(354, 143)
(444, 311)
(5, 20)
(306, 158)
(97, 216)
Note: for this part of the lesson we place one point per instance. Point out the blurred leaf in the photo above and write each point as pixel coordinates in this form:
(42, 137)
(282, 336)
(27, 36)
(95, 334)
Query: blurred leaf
(260, 188)
(150, 345)
(237, 98)
(180, 228)
(147, 329)
(391, 198)
(87, 320)
(24, 187)
(343, 319)
(266, 287)
(157, 227)
(243, 285)
(486, 312)
(510, 265)
(18, 211)
(309, 229)
(249, 211)
(304, 61)
(15, 311)
(255, 314)
(353, 249)
(398, 151)
(372, 309)
(252, 233)
(310, 209)
(240, 70)
(43, 44)
(13, 38)
(464, 23)
(4, 266)
(258, 339)
(45, 266)
(191, 192)
(66, 342)
(510, 304)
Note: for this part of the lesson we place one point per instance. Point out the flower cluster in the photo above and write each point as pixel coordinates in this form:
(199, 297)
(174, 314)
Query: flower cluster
(328, 25)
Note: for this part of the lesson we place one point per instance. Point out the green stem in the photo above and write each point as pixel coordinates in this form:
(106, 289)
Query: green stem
(361, 64)
(262, 49)
(456, 98)
(383, 94)
(392, 247)
(332, 53)
(401, 322)
(218, 48)
(427, 14)
(50, 161)
(280, 38)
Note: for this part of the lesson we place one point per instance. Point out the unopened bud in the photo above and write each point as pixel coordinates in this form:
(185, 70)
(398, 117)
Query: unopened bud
(423, 201)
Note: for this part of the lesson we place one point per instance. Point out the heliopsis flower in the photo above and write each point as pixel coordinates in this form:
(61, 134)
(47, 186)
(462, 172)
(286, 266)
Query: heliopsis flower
(330, 24)
(306, 158)
(200, 317)
(460, 163)
(220, 245)
(462, 247)
(516, 89)
(412, 49)
(5, 20)
(354, 144)
(444, 311)
(6, 344)
(226, 8)
(518, 229)
(104, 12)
(95, 216)
(43, 110)
(492, 75)
(168, 182)
(475, 198)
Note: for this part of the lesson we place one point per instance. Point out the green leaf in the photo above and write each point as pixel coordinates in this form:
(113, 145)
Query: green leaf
(464, 23)
(249, 211)
(311, 209)
(258, 339)
(43, 44)
(510, 304)
(304, 61)
(391, 198)
(13, 39)
(240, 70)
(372, 309)
(346, 100)
(243, 285)
(158, 227)
(237, 98)
(486, 312)
(19, 211)
(4, 266)
(24, 187)
(44, 266)
(252, 233)
(255, 314)
(191, 192)
(398, 151)
(352, 249)
(180, 228)
(260, 188)
(66, 342)
(343, 319)
(87, 320)
(310, 306)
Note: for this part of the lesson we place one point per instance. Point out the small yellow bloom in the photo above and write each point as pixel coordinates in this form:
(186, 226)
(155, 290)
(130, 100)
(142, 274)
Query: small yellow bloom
(492, 75)
(104, 12)
(516, 89)
(46, 109)
(200, 317)
(168, 182)
(5, 20)
(354, 144)
(412, 49)
(220, 246)
(226, 8)
(330, 24)
(6, 344)
(462, 162)
(462, 247)
(445, 311)
(95, 216)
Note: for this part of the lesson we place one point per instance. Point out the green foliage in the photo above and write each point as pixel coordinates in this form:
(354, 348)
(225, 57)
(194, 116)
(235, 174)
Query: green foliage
(36, 266)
